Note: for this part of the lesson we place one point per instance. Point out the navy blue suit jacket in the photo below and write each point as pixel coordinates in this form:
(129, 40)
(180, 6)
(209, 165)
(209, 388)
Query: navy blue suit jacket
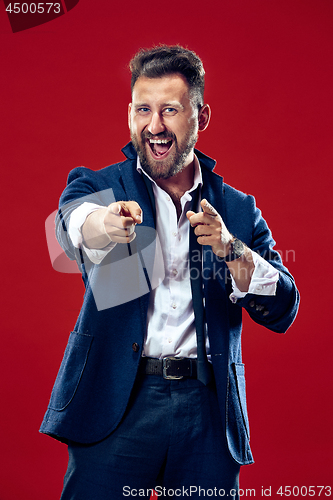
(99, 367)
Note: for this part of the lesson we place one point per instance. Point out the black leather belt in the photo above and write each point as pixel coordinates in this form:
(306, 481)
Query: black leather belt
(170, 368)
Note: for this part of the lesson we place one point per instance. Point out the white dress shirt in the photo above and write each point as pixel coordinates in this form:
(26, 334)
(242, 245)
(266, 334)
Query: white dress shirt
(170, 319)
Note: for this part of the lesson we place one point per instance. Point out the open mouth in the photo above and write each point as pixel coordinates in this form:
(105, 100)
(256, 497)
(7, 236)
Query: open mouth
(160, 148)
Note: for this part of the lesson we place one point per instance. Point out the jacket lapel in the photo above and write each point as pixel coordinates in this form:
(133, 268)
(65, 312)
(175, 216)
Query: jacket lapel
(137, 189)
(213, 191)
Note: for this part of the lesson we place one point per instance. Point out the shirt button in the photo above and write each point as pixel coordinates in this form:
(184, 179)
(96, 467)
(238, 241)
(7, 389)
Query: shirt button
(135, 347)
(174, 272)
(258, 288)
(174, 306)
(174, 233)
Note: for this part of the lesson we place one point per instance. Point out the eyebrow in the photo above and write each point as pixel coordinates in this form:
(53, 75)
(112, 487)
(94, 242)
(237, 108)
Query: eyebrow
(174, 104)
(171, 104)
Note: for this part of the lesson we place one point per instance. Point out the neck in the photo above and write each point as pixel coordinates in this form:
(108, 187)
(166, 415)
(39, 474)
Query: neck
(178, 184)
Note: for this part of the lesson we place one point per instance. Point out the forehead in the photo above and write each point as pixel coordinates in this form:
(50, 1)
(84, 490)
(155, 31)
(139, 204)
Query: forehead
(169, 87)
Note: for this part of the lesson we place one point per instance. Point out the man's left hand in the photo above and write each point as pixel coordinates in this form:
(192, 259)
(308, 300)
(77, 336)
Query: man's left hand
(210, 229)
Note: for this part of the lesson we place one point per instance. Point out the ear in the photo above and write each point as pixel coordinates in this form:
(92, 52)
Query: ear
(204, 117)
(129, 114)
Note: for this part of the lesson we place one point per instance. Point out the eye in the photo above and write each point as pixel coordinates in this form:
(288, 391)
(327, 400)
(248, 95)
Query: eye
(143, 110)
(169, 111)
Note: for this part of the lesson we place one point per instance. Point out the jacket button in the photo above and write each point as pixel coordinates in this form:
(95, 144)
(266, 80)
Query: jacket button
(135, 347)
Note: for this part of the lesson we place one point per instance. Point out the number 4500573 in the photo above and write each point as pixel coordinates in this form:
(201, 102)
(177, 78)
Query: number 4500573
(33, 8)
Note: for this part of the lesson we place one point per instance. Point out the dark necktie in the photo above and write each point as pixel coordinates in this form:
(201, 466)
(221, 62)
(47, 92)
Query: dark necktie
(203, 370)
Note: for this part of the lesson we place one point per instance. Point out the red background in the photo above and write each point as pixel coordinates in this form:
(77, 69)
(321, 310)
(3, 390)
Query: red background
(64, 95)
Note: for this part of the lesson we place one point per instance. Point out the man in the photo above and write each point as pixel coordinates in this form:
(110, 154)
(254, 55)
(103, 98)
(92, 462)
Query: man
(151, 390)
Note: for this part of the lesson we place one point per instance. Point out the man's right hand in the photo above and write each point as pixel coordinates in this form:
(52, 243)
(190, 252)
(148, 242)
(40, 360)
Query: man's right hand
(115, 223)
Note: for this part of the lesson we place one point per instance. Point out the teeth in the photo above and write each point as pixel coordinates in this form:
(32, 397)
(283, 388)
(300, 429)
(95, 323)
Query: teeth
(158, 141)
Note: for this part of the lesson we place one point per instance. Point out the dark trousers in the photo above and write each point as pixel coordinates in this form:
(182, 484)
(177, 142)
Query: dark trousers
(170, 439)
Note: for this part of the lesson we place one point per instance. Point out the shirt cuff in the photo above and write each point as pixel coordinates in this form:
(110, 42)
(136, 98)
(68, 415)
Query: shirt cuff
(263, 281)
(76, 221)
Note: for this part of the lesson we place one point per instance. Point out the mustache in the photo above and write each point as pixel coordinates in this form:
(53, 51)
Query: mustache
(162, 135)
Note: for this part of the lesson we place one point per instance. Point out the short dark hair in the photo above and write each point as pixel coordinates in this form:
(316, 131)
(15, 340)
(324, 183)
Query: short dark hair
(168, 59)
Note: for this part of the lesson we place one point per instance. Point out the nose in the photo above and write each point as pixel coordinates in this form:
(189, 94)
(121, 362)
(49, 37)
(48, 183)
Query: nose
(156, 125)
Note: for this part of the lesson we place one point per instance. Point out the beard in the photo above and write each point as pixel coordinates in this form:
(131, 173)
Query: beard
(174, 163)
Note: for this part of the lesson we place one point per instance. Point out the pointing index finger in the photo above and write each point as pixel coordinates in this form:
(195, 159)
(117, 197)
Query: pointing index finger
(133, 210)
(208, 208)
(127, 210)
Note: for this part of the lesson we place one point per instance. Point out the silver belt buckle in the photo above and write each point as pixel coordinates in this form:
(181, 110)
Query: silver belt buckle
(166, 365)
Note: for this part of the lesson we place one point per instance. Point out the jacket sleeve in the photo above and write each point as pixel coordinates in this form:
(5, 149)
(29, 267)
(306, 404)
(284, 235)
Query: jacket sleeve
(274, 312)
(83, 185)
